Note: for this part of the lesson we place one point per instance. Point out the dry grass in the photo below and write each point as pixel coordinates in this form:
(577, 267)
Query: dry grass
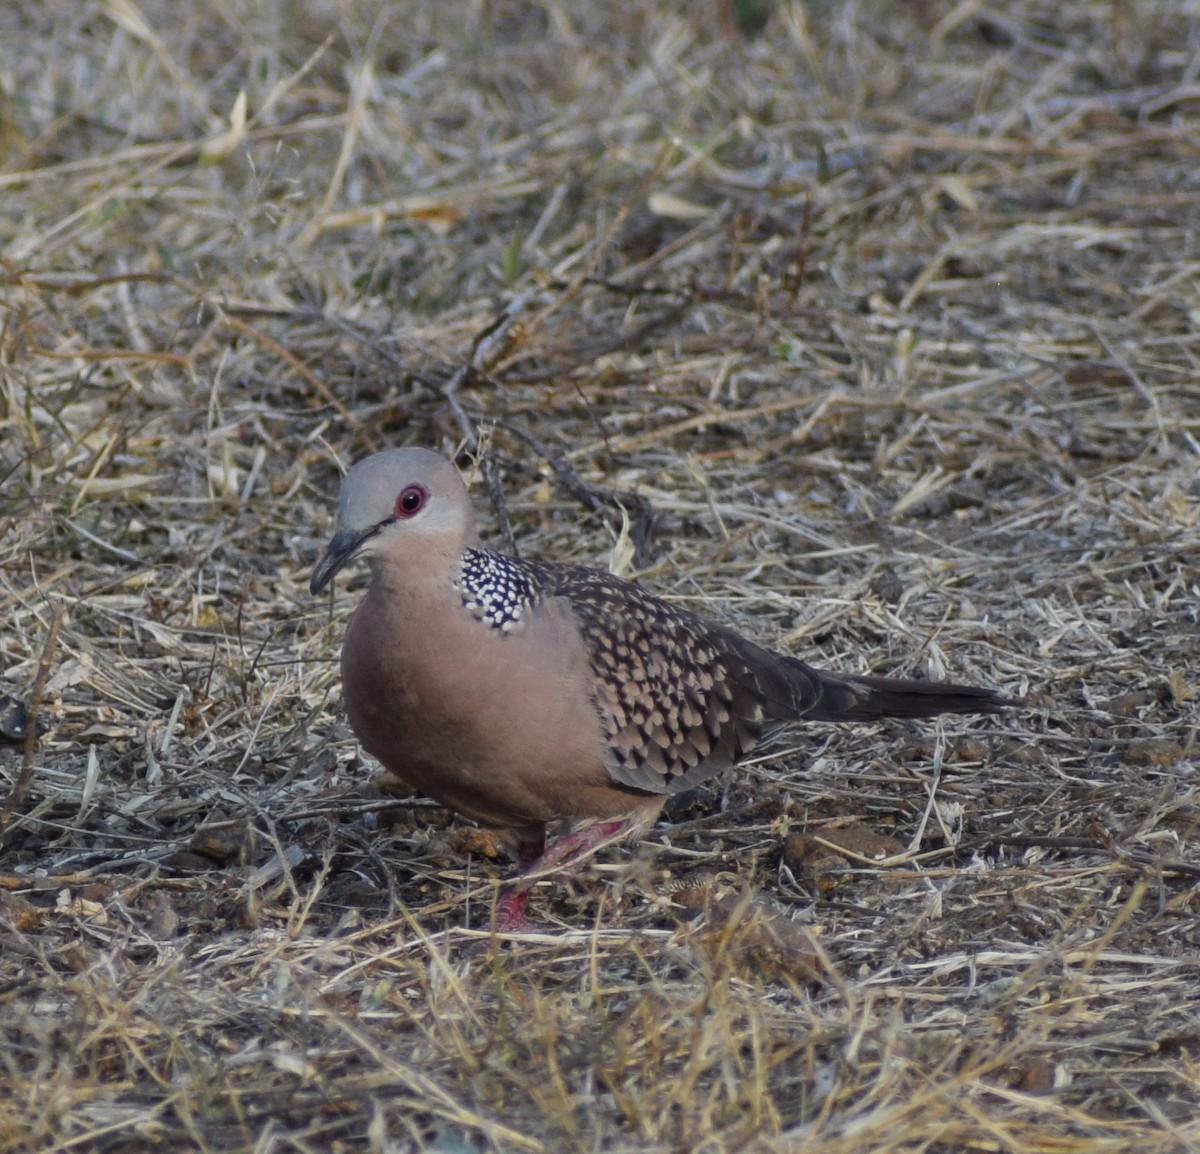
(892, 318)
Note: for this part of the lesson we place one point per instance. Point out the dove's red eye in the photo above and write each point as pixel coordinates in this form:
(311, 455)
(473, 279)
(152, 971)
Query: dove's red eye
(411, 500)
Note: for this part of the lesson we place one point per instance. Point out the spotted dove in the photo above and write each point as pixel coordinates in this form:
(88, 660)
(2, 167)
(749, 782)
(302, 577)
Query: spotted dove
(524, 693)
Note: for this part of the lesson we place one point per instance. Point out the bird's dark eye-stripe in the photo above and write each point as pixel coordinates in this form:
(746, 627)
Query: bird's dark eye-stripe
(412, 498)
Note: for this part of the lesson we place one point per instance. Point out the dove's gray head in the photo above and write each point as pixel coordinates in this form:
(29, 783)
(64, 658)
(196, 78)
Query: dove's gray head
(398, 504)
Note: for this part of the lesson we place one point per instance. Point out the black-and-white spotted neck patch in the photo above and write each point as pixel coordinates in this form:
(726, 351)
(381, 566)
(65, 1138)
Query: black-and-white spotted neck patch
(496, 588)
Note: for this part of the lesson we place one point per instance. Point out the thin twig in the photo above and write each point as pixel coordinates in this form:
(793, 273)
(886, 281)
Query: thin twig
(17, 794)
